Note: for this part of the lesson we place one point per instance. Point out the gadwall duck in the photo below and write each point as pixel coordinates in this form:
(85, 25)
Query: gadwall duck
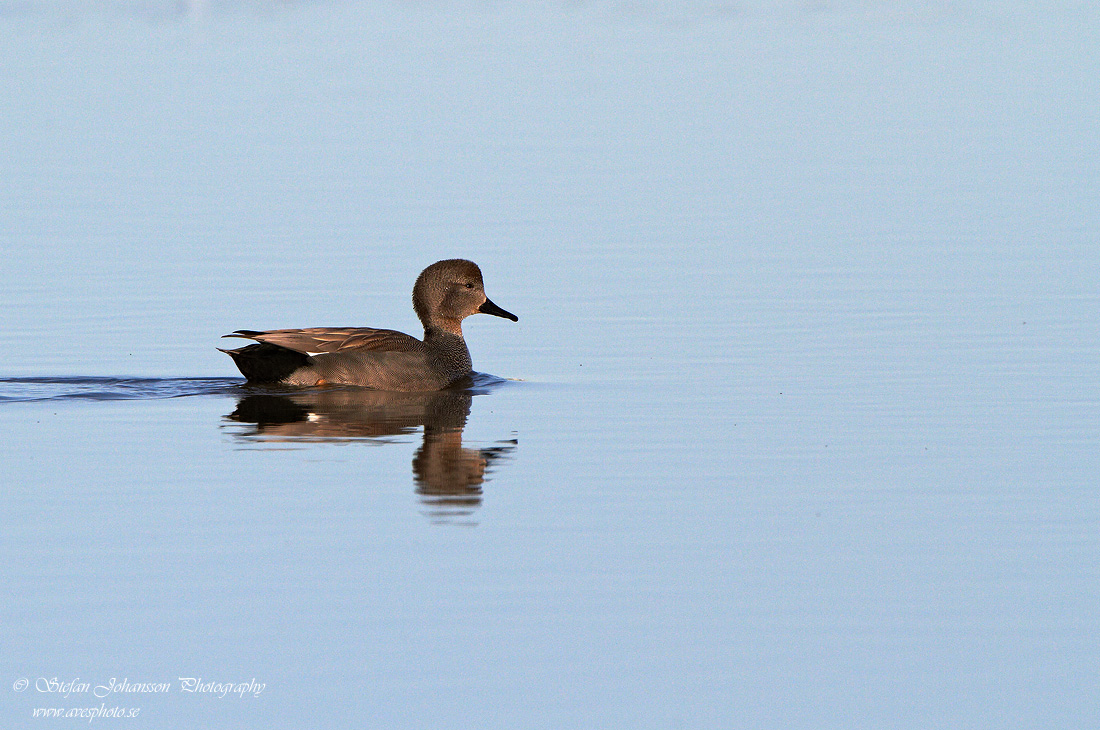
(445, 293)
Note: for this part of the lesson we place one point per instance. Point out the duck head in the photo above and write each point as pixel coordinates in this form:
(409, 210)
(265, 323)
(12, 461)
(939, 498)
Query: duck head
(448, 291)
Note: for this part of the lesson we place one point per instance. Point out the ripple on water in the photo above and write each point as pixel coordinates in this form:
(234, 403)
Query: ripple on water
(106, 389)
(32, 389)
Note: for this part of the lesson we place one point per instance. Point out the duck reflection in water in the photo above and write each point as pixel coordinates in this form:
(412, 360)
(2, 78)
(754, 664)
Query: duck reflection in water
(448, 476)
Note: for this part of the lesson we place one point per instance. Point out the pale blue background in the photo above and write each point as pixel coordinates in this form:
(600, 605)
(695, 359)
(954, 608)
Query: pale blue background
(806, 419)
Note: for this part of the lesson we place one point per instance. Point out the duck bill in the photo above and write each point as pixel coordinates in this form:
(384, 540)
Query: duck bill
(489, 308)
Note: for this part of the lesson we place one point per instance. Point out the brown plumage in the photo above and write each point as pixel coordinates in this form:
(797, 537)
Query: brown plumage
(445, 293)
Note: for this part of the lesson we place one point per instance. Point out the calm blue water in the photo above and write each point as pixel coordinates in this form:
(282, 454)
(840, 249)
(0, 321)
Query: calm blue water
(798, 427)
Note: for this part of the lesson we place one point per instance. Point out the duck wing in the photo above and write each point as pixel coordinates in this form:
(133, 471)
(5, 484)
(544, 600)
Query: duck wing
(318, 340)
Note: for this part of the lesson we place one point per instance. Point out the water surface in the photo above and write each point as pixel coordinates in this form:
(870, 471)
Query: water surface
(797, 428)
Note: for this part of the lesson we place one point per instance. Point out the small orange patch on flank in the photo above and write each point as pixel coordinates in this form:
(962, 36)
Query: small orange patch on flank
(322, 381)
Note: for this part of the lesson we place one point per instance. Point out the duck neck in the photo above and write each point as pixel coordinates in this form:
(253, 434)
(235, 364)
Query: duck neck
(449, 347)
(443, 325)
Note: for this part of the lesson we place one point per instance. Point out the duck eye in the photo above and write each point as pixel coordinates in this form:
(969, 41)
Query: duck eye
(469, 285)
